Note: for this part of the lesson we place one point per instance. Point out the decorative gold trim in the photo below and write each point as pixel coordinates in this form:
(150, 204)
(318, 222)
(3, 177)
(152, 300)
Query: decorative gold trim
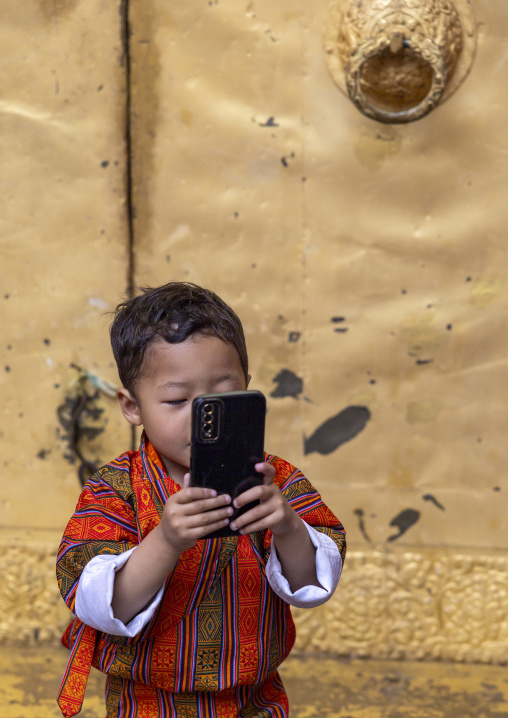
(427, 48)
(390, 604)
(414, 605)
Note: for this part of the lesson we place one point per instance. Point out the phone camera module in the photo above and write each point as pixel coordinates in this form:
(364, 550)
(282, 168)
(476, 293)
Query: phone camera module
(210, 419)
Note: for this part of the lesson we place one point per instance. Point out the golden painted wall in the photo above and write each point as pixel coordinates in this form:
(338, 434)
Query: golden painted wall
(368, 263)
(64, 258)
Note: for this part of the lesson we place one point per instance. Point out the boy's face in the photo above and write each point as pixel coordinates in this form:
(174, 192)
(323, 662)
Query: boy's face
(172, 376)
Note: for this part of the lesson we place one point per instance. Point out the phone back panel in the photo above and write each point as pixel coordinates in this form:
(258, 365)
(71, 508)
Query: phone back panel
(227, 441)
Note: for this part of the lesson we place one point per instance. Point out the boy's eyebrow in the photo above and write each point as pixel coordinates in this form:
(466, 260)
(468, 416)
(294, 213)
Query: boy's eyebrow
(174, 385)
(185, 384)
(224, 377)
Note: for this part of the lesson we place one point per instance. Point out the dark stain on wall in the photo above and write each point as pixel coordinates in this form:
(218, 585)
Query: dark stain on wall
(432, 498)
(361, 524)
(271, 122)
(403, 522)
(339, 320)
(288, 384)
(336, 431)
(73, 416)
(57, 8)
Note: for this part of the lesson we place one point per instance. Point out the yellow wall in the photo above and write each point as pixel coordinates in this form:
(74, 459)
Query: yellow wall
(253, 174)
(64, 251)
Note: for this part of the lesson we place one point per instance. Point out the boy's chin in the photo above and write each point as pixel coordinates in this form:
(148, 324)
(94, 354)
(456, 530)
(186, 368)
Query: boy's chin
(176, 471)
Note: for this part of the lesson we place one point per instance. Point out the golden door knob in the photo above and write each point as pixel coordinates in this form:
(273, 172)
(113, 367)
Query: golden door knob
(398, 59)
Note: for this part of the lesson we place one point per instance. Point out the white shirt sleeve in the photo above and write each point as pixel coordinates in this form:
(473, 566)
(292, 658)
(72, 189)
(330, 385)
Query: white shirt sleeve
(328, 569)
(95, 588)
(95, 593)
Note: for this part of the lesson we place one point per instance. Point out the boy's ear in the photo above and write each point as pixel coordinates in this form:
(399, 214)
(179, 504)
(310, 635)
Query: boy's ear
(129, 406)
(248, 380)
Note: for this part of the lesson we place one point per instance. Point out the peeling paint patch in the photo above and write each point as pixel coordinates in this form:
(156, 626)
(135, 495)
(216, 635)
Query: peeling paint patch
(424, 339)
(487, 290)
(423, 412)
(372, 148)
(57, 8)
(98, 303)
(180, 233)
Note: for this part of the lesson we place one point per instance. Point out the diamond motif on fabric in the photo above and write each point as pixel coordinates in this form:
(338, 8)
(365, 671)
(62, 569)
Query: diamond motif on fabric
(249, 583)
(249, 657)
(249, 619)
(211, 626)
(208, 658)
(101, 528)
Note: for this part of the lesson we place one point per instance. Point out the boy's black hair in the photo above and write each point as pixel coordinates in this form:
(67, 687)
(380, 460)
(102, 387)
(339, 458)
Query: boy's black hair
(172, 312)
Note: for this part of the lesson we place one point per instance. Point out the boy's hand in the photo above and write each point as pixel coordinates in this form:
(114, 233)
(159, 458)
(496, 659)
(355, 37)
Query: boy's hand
(295, 550)
(272, 513)
(192, 513)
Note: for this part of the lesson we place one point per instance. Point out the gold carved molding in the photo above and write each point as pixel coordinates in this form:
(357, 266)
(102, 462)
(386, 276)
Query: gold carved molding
(31, 608)
(428, 605)
(410, 605)
(398, 59)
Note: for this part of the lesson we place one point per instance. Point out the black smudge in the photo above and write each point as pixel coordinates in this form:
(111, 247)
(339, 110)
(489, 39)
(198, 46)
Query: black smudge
(269, 123)
(430, 497)
(337, 430)
(403, 522)
(361, 524)
(72, 415)
(288, 384)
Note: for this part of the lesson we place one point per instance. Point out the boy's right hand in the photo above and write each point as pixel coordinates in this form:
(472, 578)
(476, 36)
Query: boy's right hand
(192, 513)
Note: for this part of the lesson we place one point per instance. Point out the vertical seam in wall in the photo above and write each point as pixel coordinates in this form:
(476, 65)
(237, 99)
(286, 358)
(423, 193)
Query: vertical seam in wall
(126, 63)
(304, 240)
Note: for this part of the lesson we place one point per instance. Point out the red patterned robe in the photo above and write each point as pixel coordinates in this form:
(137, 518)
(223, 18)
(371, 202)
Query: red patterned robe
(220, 632)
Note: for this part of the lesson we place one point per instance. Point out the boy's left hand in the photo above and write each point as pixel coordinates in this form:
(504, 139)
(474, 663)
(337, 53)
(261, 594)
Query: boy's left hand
(272, 513)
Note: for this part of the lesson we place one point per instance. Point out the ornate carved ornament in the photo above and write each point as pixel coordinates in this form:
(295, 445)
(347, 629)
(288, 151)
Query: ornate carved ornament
(398, 59)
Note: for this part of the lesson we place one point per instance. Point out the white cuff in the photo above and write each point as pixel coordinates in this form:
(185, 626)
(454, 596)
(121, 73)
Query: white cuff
(95, 593)
(328, 570)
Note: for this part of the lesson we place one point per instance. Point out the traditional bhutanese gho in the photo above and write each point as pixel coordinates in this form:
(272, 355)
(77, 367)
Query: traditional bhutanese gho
(219, 633)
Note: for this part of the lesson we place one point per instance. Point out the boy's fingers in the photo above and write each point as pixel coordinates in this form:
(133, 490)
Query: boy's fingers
(204, 506)
(256, 493)
(267, 470)
(256, 513)
(194, 493)
(251, 528)
(204, 530)
(205, 518)
(186, 481)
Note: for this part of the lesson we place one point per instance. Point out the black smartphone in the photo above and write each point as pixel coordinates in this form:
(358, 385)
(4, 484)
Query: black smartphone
(227, 440)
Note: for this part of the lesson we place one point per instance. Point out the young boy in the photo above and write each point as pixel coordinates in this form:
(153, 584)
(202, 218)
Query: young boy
(185, 626)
